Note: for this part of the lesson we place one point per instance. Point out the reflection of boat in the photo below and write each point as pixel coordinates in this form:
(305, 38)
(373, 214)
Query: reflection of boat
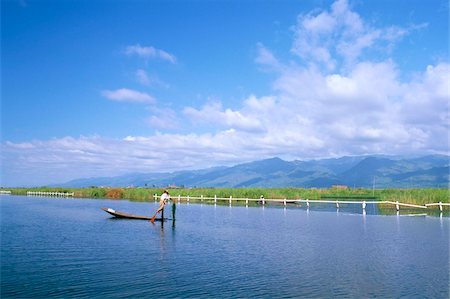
(119, 214)
(279, 201)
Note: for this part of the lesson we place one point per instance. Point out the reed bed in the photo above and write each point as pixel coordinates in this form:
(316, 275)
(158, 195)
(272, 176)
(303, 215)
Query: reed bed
(419, 196)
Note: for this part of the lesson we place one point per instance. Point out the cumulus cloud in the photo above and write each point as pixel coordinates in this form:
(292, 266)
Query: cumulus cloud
(150, 52)
(338, 34)
(369, 110)
(214, 113)
(128, 95)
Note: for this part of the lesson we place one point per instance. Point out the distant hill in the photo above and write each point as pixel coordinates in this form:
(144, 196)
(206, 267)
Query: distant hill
(359, 171)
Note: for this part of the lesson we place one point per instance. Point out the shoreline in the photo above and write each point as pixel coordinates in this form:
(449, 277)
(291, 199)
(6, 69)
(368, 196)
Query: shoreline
(417, 196)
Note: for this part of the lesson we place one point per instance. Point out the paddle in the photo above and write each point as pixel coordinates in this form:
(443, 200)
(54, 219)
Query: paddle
(160, 209)
(152, 220)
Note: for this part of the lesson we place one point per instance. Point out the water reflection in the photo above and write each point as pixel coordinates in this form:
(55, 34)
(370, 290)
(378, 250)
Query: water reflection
(214, 251)
(364, 222)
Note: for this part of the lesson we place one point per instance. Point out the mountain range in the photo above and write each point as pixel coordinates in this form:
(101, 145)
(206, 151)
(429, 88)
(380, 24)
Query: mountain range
(357, 171)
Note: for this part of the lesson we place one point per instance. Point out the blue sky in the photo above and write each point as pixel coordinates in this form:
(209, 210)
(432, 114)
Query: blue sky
(104, 88)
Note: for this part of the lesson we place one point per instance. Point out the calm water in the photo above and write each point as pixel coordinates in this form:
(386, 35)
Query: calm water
(71, 248)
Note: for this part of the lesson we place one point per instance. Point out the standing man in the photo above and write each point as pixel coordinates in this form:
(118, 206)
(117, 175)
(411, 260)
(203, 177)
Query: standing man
(165, 197)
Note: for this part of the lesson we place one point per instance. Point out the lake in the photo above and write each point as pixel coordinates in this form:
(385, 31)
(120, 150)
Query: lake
(53, 247)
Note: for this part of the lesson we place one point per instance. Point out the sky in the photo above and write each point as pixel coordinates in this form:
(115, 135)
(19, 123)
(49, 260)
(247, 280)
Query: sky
(106, 88)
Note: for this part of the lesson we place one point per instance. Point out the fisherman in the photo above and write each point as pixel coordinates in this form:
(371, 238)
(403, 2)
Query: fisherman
(165, 197)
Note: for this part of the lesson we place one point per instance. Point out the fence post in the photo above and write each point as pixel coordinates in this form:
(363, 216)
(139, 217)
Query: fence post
(285, 202)
(215, 198)
(397, 206)
(155, 196)
(440, 206)
(364, 205)
(307, 203)
(230, 199)
(179, 197)
(337, 204)
(188, 198)
(201, 197)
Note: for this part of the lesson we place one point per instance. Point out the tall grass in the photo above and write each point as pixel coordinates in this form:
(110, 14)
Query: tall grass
(415, 196)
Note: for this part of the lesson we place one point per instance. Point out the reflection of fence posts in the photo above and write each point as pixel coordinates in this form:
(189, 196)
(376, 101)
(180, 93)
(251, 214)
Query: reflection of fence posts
(57, 194)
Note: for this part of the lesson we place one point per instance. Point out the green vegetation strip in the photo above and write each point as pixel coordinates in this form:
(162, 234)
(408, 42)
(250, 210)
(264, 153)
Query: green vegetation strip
(420, 196)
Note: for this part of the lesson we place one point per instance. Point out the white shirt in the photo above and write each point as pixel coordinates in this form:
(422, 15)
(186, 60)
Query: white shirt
(165, 197)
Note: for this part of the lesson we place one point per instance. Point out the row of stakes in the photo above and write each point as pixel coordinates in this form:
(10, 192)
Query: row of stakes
(262, 200)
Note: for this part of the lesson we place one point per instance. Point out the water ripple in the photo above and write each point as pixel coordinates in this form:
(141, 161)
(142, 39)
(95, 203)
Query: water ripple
(71, 249)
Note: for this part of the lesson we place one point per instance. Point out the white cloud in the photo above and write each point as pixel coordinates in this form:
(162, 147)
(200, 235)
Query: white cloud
(142, 77)
(265, 57)
(150, 52)
(214, 114)
(128, 95)
(149, 80)
(163, 118)
(340, 35)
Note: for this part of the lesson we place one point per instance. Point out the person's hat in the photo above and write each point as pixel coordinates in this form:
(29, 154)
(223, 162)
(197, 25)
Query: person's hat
(166, 191)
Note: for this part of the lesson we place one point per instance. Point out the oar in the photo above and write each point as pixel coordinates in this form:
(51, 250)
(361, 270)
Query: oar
(152, 220)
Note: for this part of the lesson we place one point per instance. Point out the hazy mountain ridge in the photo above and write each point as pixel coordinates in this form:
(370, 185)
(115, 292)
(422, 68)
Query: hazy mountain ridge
(359, 171)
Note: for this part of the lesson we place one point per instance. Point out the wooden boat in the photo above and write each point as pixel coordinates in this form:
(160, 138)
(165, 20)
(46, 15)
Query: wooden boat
(124, 215)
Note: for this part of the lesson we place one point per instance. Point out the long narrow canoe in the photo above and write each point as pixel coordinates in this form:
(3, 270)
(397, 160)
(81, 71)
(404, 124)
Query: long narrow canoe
(119, 214)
